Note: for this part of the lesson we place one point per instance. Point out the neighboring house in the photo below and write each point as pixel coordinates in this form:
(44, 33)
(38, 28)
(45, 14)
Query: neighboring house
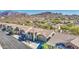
(75, 43)
(60, 38)
(45, 33)
(16, 25)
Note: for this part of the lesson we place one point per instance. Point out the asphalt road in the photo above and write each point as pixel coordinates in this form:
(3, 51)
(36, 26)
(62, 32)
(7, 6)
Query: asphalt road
(9, 42)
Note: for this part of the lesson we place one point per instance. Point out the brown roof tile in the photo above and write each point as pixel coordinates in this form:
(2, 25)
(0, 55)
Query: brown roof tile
(60, 38)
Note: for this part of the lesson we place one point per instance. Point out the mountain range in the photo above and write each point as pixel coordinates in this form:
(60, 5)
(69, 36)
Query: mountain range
(18, 17)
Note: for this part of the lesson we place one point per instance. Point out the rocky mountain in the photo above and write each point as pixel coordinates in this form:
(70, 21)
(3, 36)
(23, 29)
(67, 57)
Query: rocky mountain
(9, 13)
(17, 17)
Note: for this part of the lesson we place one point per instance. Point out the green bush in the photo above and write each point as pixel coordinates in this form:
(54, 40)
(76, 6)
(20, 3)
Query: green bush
(64, 27)
(56, 21)
(43, 24)
(73, 29)
(45, 46)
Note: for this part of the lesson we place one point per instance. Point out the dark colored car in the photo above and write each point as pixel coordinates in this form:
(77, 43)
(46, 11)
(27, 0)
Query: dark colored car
(9, 30)
(60, 46)
(9, 33)
(22, 37)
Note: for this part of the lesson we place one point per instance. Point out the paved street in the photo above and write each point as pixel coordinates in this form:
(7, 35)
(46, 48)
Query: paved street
(9, 42)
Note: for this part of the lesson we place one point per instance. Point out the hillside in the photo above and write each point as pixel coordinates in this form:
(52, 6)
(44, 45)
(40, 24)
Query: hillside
(45, 20)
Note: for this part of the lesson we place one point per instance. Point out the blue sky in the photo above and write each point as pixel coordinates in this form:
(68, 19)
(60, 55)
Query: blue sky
(53, 11)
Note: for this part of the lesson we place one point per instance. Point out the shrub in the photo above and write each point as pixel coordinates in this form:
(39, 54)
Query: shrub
(56, 21)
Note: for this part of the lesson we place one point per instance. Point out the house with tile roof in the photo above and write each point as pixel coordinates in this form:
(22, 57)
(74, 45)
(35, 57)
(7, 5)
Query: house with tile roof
(45, 34)
(75, 42)
(60, 38)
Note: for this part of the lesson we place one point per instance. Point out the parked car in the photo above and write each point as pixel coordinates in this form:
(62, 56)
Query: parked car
(60, 46)
(9, 33)
(9, 30)
(22, 37)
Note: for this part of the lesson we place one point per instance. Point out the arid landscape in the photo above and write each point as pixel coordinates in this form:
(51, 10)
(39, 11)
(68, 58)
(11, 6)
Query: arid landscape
(44, 30)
